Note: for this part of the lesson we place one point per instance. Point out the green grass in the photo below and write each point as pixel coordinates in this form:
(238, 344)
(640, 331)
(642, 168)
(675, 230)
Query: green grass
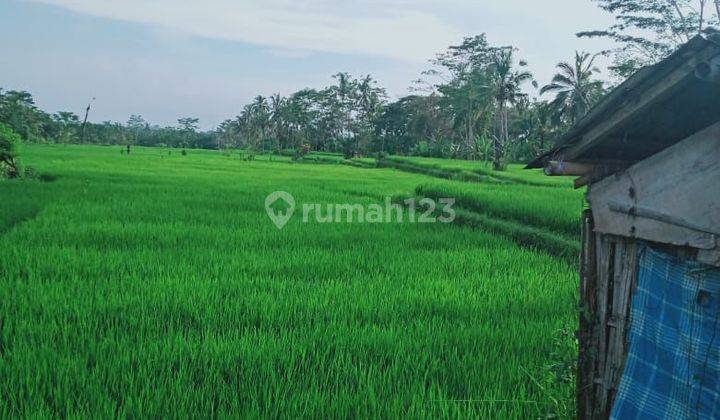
(367, 163)
(554, 209)
(322, 157)
(437, 171)
(154, 283)
(464, 169)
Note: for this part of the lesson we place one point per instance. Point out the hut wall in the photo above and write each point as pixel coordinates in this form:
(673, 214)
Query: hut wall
(672, 197)
(671, 200)
(607, 283)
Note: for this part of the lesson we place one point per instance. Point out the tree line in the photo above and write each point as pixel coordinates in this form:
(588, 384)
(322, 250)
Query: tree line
(472, 103)
(19, 112)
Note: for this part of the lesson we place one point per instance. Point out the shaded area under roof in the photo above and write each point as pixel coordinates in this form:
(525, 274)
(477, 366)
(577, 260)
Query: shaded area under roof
(652, 110)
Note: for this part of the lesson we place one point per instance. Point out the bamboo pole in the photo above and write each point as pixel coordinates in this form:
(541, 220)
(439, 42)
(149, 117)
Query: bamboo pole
(557, 168)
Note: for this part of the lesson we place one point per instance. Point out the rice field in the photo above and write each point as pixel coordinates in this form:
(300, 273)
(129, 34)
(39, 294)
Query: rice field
(553, 209)
(515, 173)
(155, 285)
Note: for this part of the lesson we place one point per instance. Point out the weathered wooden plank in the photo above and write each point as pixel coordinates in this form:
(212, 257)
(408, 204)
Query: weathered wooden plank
(605, 260)
(603, 335)
(680, 184)
(654, 214)
(625, 268)
(587, 346)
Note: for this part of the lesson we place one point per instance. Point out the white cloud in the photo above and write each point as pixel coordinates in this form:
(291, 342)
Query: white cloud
(391, 28)
(173, 74)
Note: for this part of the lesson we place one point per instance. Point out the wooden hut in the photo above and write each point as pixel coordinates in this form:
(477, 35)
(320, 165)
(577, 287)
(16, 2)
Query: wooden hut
(649, 154)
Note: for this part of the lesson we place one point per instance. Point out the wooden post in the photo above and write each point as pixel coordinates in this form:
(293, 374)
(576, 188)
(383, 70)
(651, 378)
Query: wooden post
(587, 347)
(607, 284)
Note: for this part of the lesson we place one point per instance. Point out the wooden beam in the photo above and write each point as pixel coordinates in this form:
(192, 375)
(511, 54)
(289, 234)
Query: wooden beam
(581, 182)
(660, 91)
(658, 215)
(555, 168)
(588, 172)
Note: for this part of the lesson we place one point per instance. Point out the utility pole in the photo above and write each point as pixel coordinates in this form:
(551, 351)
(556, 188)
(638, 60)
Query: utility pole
(87, 112)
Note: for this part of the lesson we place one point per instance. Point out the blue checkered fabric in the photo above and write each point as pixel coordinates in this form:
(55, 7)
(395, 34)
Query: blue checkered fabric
(673, 365)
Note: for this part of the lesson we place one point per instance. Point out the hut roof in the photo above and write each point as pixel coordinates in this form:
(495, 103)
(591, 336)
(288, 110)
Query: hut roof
(652, 110)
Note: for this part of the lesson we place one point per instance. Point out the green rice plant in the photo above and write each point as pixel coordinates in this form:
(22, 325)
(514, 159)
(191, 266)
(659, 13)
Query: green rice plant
(532, 237)
(149, 284)
(514, 172)
(535, 238)
(553, 209)
(367, 163)
(330, 154)
(320, 157)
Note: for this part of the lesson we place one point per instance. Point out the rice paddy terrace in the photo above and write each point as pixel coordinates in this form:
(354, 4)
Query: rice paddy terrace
(154, 282)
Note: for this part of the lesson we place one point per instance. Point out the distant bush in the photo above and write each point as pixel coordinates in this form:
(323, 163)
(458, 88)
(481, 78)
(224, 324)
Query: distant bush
(287, 152)
(421, 149)
(31, 173)
(9, 143)
(301, 152)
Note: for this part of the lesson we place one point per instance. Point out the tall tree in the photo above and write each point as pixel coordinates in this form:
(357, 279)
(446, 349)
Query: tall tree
(9, 142)
(188, 127)
(465, 83)
(507, 86)
(227, 135)
(17, 109)
(368, 106)
(574, 87)
(136, 124)
(649, 30)
(277, 108)
(535, 124)
(414, 124)
(469, 99)
(339, 106)
(189, 124)
(68, 123)
(303, 114)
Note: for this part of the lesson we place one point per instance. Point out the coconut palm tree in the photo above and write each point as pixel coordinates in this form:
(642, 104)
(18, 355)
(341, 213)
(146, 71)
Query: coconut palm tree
(344, 99)
(574, 87)
(469, 98)
(278, 108)
(368, 106)
(507, 84)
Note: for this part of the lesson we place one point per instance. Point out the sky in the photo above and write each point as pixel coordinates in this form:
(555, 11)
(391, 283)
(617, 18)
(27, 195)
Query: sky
(167, 59)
